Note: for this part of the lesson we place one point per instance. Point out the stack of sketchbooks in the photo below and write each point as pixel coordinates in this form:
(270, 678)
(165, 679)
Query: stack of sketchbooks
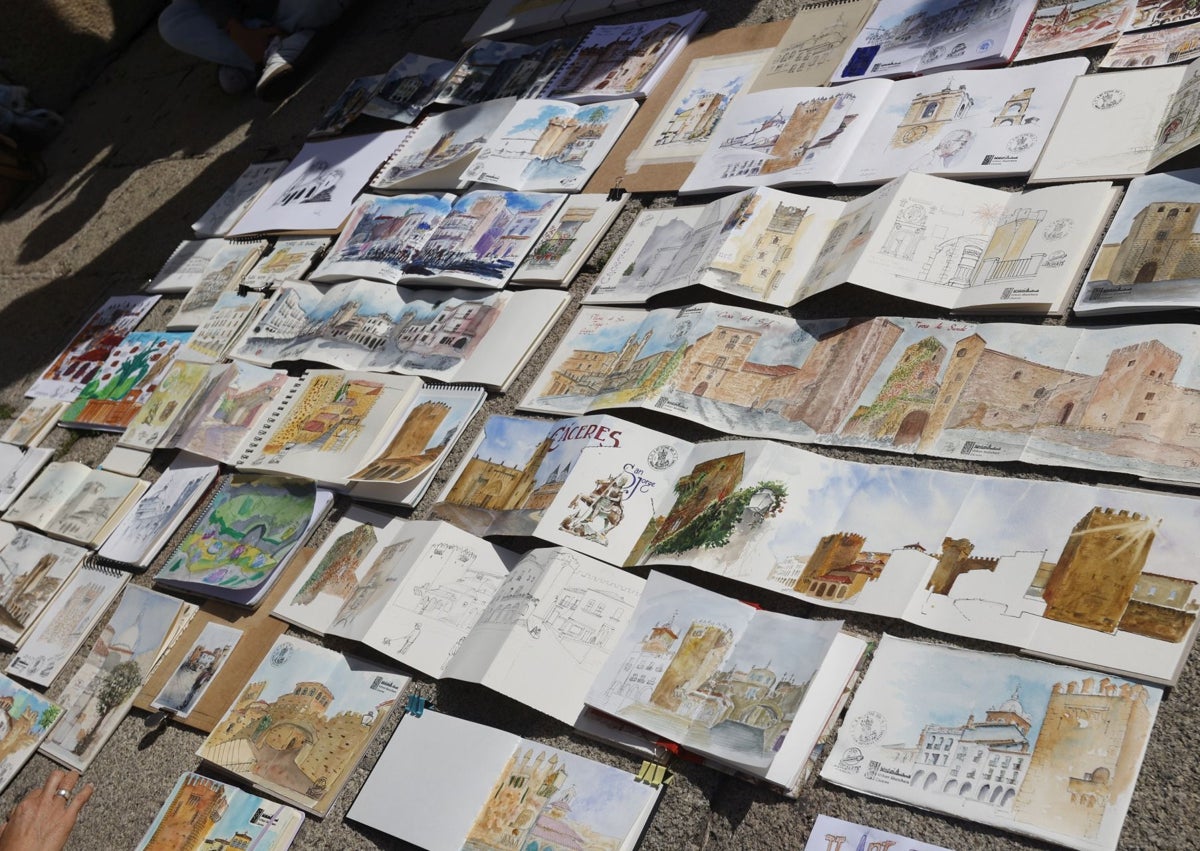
(908, 238)
(244, 537)
(981, 557)
(479, 787)
(334, 703)
(204, 813)
(450, 605)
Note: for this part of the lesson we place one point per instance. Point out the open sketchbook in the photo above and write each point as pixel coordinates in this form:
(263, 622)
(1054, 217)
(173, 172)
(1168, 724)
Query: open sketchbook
(27, 717)
(832, 834)
(1150, 257)
(219, 815)
(749, 689)
(1123, 124)
(244, 536)
(1025, 746)
(34, 569)
(234, 201)
(938, 241)
(72, 501)
(1111, 398)
(569, 240)
(459, 336)
(301, 724)
(1094, 575)
(475, 240)
(483, 788)
(905, 37)
(100, 694)
(970, 124)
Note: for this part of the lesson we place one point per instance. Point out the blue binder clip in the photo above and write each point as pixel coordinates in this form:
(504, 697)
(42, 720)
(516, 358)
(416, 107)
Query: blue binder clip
(415, 705)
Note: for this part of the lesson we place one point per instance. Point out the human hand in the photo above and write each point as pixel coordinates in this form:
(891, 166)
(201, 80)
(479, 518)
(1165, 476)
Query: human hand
(44, 818)
(253, 41)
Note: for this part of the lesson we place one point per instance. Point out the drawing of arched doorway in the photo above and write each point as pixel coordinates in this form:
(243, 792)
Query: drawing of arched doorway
(911, 428)
(701, 389)
(1146, 273)
(1065, 414)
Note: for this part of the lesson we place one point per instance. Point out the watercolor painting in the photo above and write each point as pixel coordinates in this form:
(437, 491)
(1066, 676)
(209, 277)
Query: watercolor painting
(34, 422)
(831, 834)
(688, 119)
(545, 797)
(230, 409)
(25, 718)
(708, 672)
(382, 235)
(301, 724)
(202, 662)
(103, 689)
(425, 435)
(200, 812)
(1067, 27)
(1027, 746)
(407, 88)
(142, 531)
(440, 141)
(166, 405)
(128, 377)
(32, 569)
(251, 526)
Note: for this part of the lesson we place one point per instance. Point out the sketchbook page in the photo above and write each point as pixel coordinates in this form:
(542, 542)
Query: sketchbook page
(550, 145)
(1020, 726)
(970, 124)
(483, 71)
(1146, 259)
(984, 580)
(234, 201)
(482, 239)
(873, 556)
(330, 425)
(101, 692)
(36, 420)
(202, 661)
(146, 529)
(169, 404)
(244, 535)
(569, 240)
(1179, 127)
(1126, 553)
(1159, 13)
(35, 567)
(111, 400)
(186, 265)
(15, 476)
(28, 716)
(649, 255)
(1152, 49)
(1069, 27)
(65, 623)
(828, 829)
(1038, 248)
(336, 697)
(237, 199)
(903, 37)
(402, 466)
(1121, 403)
(407, 88)
(267, 826)
(1107, 127)
(440, 148)
(222, 326)
(622, 60)
(291, 258)
(611, 495)
(347, 106)
(548, 630)
(334, 572)
(381, 236)
(82, 357)
(593, 365)
(517, 466)
(435, 807)
(923, 237)
(846, 240)
(421, 615)
(811, 49)
(102, 499)
(222, 275)
(51, 492)
(302, 321)
(240, 396)
(788, 136)
(315, 193)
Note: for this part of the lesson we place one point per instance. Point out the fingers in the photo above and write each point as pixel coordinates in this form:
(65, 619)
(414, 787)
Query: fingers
(76, 803)
(54, 781)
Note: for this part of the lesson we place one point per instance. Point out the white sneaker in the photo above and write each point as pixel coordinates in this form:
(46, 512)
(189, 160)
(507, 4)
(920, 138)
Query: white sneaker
(283, 53)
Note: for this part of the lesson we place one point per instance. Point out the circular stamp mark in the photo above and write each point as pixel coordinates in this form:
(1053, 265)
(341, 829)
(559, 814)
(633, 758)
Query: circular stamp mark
(1108, 98)
(662, 457)
(281, 653)
(868, 728)
(1022, 142)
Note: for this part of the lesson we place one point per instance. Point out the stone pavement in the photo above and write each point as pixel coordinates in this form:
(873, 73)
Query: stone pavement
(147, 147)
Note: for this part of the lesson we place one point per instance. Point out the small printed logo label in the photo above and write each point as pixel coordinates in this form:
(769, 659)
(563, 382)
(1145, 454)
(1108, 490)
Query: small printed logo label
(851, 761)
(1108, 98)
(867, 729)
(662, 457)
(1022, 142)
(281, 654)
